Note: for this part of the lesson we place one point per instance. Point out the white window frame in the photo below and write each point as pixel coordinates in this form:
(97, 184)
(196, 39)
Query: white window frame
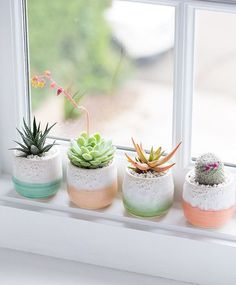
(15, 104)
(16, 73)
(184, 76)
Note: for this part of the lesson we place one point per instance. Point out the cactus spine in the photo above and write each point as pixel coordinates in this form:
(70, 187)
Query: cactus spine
(209, 170)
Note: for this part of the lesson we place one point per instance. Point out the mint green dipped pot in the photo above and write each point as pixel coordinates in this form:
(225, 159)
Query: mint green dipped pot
(37, 177)
(147, 197)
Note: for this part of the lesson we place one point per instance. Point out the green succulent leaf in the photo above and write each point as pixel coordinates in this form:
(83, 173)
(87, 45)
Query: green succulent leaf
(20, 149)
(81, 141)
(143, 163)
(97, 136)
(87, 156)
(84, 135)
(34, 128)
(23, 147)
(91, 151)
(151, 155)
(48, 147)
(33, 139)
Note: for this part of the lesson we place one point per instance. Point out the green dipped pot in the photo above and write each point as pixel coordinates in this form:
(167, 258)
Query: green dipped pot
(37, 177)
(147, 197)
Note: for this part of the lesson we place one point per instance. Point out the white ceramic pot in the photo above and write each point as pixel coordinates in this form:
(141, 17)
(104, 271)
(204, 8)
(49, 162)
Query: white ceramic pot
(37, 177)
(208, 206)
(148, 197)
(92, 188)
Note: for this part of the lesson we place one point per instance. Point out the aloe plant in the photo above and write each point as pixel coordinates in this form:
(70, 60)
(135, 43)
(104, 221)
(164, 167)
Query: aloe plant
(155, 161)
(91, 151)
(33, 139)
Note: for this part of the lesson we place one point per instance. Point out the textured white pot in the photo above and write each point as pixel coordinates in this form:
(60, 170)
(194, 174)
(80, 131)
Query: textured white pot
(92, 188)
(148, 197)
(208, 206)
(37, 177)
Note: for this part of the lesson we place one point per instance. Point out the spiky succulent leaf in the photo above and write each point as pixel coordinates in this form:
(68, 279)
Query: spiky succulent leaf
(91, 151)
(158, 153)
(156, 161)
(33, 139)
(151, 155)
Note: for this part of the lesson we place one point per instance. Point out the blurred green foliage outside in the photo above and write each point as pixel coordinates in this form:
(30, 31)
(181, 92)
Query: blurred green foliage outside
(72, 39)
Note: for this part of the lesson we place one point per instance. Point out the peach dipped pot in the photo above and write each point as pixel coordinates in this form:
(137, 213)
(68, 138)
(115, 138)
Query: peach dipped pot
(92, 188)
(208, 206)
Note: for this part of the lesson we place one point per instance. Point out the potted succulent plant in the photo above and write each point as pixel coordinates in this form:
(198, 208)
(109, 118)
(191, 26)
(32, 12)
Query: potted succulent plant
(209, 193)
(91, 172)
(37, 170)
(148, 186)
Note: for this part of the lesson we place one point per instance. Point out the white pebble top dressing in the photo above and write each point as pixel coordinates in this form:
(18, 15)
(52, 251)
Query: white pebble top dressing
(147, 174)
(91, 179)
(148, 192)
(35, 169)
(206, 197)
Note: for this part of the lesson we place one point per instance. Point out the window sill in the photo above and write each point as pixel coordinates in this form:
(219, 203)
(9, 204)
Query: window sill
(162, 247)
(173, 223)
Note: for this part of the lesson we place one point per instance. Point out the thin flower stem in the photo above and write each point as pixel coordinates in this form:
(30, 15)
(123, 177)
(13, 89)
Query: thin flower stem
(69, 98)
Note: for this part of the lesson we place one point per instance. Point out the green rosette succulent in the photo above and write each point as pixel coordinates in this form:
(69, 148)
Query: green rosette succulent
(91, 151)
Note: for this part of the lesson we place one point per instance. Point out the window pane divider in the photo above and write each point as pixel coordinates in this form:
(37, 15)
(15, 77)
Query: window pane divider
(183, 82)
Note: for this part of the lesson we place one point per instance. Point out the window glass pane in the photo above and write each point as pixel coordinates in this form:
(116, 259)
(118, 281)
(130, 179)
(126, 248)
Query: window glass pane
(214, 108)
(119, 53)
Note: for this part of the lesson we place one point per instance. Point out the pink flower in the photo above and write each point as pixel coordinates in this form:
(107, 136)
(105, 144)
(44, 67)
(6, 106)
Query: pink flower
(41, 83)
(207, 167)
(47, 73)
(215, 165)
(34, 81)
(211, 166)
(35, 78)
(59, 91)
(53, 84)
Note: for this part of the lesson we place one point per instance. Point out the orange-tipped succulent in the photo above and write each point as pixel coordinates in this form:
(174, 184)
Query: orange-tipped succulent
(155, 161)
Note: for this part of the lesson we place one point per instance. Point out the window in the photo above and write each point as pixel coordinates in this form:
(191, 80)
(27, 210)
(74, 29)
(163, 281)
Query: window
(215, 85)
(122, 65)
(163, 67)
(147, 69)
(177, 76)
(152, 67)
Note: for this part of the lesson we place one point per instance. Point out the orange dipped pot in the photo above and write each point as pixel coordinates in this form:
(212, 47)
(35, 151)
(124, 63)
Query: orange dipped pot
(92, 188)
(208, 206)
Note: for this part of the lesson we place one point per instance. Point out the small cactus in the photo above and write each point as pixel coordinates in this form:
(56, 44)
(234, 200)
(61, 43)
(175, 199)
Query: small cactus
(209, 170)
(91, 151)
